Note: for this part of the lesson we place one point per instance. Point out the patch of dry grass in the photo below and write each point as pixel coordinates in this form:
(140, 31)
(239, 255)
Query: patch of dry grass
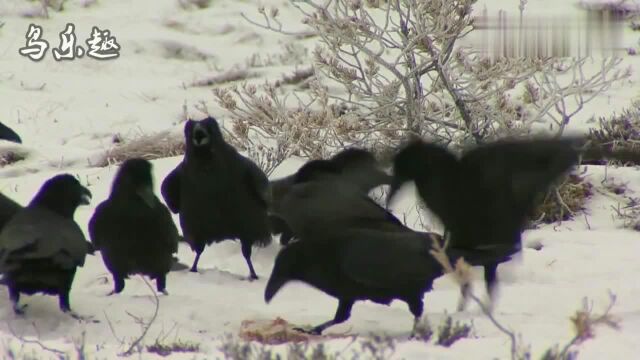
(11, 156)
(619, 132)
(150, 147)
(564, 201)
(175, 347)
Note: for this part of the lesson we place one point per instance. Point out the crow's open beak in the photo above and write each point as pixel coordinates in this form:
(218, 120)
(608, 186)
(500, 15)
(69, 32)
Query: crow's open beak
(200, 136)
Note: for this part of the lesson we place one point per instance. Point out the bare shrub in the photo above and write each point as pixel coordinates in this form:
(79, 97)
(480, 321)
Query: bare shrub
(393, 69)
(150, 147)
(629, 210)
(584, 323)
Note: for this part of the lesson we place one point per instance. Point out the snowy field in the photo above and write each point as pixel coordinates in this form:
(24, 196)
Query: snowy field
(68, 112)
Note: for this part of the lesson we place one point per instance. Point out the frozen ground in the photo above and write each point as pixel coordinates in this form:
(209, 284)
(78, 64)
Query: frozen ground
(68, 112)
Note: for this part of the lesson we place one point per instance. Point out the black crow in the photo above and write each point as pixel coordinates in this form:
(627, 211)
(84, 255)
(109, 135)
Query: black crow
(6, 133)
(133, 230)
(353, 165)
(218, 193)
(485, 197)
(350, 248)
(41, 246)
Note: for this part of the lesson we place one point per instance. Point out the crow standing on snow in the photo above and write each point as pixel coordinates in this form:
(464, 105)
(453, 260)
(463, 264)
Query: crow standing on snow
(133, 230)
(6, 133)
(349, 247)
(484, 198)
(218, 193)
(41, 246)
(353, 165)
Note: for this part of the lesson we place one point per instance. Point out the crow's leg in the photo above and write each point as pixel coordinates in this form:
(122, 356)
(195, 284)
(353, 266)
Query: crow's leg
(63, 295)
(14, 295)
(246, 252)
(118, 284)
(161, 284)
(465, 291)
(490, 278)
(199, 249)
(343, 313)
(416, 306)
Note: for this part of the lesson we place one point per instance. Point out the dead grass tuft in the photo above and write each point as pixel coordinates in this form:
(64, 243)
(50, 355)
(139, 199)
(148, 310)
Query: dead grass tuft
(178, 346)
(618, 132)
(564, 201)
(150, 147)
(11, 156)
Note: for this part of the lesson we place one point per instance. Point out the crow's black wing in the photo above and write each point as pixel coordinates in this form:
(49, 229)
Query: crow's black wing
(37, 233)
(360, 168)
(508, 176)
(438, 179)
(170, 189)
(387, 259)
(320, 206)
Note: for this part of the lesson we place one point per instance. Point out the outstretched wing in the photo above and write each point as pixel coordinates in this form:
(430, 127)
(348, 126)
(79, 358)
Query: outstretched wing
(438, 178)
(317, 207)
(510, 175)
(360, 168)
(170, 189)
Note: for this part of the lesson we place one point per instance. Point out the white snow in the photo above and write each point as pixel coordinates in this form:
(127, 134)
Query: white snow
(67, 125)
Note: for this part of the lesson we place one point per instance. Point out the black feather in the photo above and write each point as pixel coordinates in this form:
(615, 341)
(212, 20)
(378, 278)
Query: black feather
(485, 197)
(218, 193)
(352, 249)
(41, 246)
(133, 230)
(353, 166)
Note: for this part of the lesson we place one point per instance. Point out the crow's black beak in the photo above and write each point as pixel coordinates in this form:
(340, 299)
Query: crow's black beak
(146, 193)
(273, 286)
(85, 198)
(6, 133)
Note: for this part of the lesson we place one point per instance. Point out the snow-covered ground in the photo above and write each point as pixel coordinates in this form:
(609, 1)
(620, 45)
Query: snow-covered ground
(68, 112)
